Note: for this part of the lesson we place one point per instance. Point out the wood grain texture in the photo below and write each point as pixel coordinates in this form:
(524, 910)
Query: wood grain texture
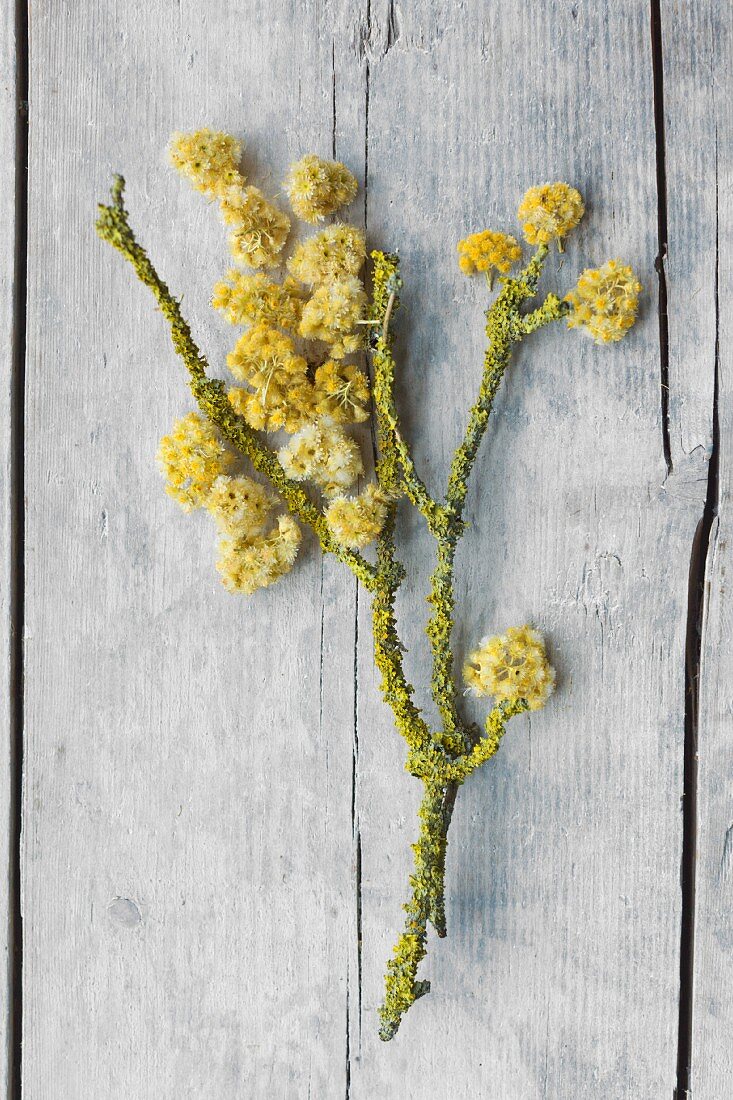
(698, 89)
(216, 819)
(188, 845)
(8, 112)
(559, 976)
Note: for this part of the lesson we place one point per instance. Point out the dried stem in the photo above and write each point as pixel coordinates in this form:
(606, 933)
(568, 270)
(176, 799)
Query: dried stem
(442, 759)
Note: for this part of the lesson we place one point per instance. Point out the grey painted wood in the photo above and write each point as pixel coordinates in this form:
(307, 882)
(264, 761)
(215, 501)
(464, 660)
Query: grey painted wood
(188, 836)
(217, 825)
(7, 263)
(698, 92)
(559, 977)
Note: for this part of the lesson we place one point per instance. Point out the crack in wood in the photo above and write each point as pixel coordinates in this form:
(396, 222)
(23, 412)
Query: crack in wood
(17, 547)
(703, 548)
(659, 263)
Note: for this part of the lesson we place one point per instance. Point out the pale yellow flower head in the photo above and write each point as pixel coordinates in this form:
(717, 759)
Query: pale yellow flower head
(246, 564)
(356, 522)
(321, 452)
(341, 464)
(512, 667)
(249, 299)
(605, 301)
(333, 313)
(191, 458)
(259, 229)
(337, 250)
(208, 160)
(549, 212)
(342, 392)
(317, 188)
(240, 506)
(488, 251)
(283, 394)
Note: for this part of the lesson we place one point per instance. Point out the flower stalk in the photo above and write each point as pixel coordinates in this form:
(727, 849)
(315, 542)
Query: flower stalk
(310, 400)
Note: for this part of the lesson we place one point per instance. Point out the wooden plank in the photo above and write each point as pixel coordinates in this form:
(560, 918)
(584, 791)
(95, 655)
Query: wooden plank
(559, 977)
(697, 81)
(8, 115)
(193, 893)
(189, 880)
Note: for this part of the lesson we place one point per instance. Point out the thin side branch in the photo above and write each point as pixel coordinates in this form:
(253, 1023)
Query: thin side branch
(503, 330)
(387, 283)
(388, 648)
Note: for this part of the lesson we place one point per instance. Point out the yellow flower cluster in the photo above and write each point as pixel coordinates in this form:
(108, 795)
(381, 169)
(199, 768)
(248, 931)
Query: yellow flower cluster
(283, 395)
(486, 250)
(317, 188)
(191, 458)
(247, 564)
(259, 229)
(549, 212)
(605, 301)
(322, 453)
(512, 667)
(249, 299)
(358, 521)
(342, 392)
(281, 390)
(240, 506)
(209, 161)
(336, 251)
(333, 313)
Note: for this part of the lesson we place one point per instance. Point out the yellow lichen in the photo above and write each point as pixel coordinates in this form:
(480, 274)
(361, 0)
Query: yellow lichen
(284, 391)
(511, 667)
(317, 188)
(549, 212)
(605, 301)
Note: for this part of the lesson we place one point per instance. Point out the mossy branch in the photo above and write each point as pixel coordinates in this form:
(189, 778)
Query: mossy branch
(387, 283)
(441, 760)
(210, 393)
(427, 900)
(402, 988)
(504, 327)
(388, 648)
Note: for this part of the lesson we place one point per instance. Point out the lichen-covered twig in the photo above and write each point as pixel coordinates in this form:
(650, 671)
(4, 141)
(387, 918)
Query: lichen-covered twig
(427, 882)
(309, 400)
(386, 284)
(444, 762)
(113, 226)
(504, 328)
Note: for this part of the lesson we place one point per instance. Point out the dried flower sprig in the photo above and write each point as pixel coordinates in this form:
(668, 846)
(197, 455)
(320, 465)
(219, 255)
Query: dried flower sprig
(291, 360)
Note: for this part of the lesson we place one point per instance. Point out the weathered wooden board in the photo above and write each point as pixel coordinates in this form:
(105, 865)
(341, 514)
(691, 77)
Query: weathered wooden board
(560, 973)
(8, 114)
(698, 96)
(189, 903)
(217, 825)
